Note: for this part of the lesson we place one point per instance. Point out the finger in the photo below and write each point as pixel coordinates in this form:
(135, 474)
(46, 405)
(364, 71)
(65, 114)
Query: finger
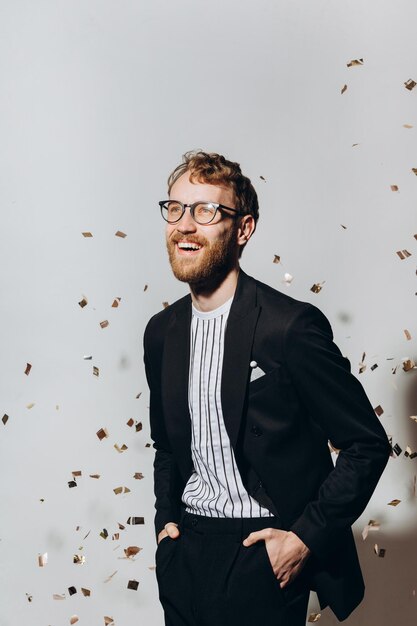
(172, 529)
(255, 536)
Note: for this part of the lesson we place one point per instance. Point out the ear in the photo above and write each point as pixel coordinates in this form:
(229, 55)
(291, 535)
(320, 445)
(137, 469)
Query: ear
(245, 229)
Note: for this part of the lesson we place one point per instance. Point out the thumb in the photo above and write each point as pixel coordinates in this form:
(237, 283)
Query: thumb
(172, 530)
(252, 538)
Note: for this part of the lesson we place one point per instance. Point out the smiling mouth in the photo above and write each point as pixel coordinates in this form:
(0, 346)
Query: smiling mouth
(184, 247)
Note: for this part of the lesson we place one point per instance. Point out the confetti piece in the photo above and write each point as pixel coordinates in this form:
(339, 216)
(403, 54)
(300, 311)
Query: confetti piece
(403, 254)
(58, 596)
(5, 419)
(355, 144)
(394, 503)
(77, 473)
(407, 126)
(408, 364)
(414, 170)
(379, 551)
(87, 234)
(342, 91)
(78, 559)
(343, 226)
(86, 592)
(85, 537)
(104, 534)
(94, 475)
(314, 617)
(115, 537)
(108, 620)
(148, 445)
(379, 410)
(29, 597)
(394, 187)
(362, 364)
(121, 526)
(104, 323)
(407, 334)
(413, 417)
(121, 234)
(165, 304)
(262, 178)
(288, 279)
(72, 483)
(108, 579)
(410, 84)
(130, 422)
(408, 452)
(277, 259)
(136, 520)
(131, 551)
(72, 590)
(118, 490)
(96, 371)
(139, 475)
(28, 368)
(116, 302)
(83, 302)
(30, 405)
(138, 427)
(102, 433)
(139, 395)
(122, 449)
(397, 449)
(43, 559)
(355, 62)
(87, 357)
(317, 287)
(74, 619)
(374, 366)
(372, 525)
(133, 584)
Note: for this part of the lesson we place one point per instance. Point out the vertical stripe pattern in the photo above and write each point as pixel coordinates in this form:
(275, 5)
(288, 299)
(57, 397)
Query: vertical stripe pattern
(215, 488)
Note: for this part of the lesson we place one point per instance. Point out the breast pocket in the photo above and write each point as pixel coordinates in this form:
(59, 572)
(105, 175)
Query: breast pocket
(264, 381)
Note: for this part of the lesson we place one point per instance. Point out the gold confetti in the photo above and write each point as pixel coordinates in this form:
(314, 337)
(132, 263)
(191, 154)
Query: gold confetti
(394, 503)
(133, 584)
(131, 551)
(379, 551)
(28, 368)
(87, 357)
(355, 144)
(262, 178)
(42, 559)
(102, 433)
(362, 364)
(342, 91)
(58, 596)
(414, 170)
(130, 422)
(104, 534)
(317, 287)
(29, 597)
(121, 234)
(355, 62)
(118, 490)
(77, 473)
(30, 405)
(108, 579)
(410, 84)
(83, 302)
(408, 364)
(413, 417)
(403, 254)
(86, 592)
(314, 617)
(136, 520)
(116, 302)
(108, 620)
(139, 475)
(394, 187)
(74, 619)
(372, 525)
(104, 323)
(407, 126)
(85, 537)
(72, 590)
(78, 559)
(165, 304)
(94, 475)
(96, 371)
(122, 449)
(343, 226)
(5, 419)
(379, 410)
(277, 259)
(115, 537)
(87, 234)
(139, 395)
(407, 334)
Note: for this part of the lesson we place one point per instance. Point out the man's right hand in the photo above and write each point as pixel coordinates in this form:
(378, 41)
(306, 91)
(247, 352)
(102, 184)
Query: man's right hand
(170, 529)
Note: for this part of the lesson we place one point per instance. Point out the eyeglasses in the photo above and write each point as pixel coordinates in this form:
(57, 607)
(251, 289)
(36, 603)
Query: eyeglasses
(201, 212)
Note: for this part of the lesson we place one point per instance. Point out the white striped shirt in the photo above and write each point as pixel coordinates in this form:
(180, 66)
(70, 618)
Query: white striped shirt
(215, 488)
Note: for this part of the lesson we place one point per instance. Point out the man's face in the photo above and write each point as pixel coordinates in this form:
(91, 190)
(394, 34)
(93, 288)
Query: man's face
(218, 248)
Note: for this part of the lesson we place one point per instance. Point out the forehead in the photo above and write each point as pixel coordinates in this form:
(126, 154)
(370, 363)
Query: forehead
(186, 191)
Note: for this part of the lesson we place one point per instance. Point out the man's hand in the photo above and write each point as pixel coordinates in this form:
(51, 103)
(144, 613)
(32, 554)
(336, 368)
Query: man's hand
(170, 529)
(287, 553)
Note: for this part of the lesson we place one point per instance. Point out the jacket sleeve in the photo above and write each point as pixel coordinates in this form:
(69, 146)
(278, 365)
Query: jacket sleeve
(166, 511)
(336, 401)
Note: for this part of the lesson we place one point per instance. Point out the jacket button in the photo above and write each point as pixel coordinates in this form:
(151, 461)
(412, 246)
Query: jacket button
(256, 431)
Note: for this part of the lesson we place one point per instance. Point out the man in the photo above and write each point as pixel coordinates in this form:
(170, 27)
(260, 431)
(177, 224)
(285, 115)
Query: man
(247, 389)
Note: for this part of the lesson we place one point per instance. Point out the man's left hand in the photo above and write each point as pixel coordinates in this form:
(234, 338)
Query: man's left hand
(287, 553)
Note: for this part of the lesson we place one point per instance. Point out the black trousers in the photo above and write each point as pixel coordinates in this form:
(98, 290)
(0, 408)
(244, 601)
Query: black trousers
(207, 577)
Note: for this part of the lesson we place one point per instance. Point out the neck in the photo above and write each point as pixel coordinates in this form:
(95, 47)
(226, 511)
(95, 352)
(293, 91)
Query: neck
(210, 296)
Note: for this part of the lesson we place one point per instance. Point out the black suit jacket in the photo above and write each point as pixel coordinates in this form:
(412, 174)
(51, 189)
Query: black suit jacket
(279, 426)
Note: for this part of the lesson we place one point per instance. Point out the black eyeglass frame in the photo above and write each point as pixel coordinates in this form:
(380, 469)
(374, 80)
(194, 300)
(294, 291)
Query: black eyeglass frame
(216, 205)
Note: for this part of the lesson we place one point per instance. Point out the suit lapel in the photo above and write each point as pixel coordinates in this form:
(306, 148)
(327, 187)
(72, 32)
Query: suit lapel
(238, 343)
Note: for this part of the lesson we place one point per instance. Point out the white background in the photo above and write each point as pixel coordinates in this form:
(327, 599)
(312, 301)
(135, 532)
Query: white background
(99, 100)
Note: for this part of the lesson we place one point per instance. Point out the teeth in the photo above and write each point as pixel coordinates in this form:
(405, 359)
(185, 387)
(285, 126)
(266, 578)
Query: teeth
(189, 246)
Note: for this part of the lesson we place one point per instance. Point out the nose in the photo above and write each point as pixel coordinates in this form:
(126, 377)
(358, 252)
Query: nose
(186, 223)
